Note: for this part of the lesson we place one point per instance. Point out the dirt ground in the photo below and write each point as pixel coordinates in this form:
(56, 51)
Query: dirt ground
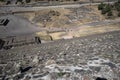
(70, 17)
(86, 31)
(64, 17)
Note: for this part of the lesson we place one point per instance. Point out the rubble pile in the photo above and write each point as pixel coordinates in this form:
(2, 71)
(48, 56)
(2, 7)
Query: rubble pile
(84, 13)
(46, 17)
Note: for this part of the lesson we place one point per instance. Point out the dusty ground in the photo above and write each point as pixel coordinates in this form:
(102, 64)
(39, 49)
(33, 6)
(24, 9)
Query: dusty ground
(85, 30)
(64, 17)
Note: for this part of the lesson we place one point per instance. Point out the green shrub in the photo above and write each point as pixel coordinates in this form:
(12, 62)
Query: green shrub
(119, 14)
(106, 9)
(118, 1)
(8, 2)
(61, 74)
(110, 13)
(2, 0)
(28, 1)
(101, 6)
(103, 11)
(20, 1)
(117, 5)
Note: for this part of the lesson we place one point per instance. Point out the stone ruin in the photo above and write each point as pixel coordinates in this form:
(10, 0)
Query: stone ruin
(4, 22)
(1, 43)
(13, 41)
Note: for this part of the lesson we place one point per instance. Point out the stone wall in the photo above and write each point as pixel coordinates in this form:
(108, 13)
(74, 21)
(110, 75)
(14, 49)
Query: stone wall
(13, 41)
(1, 43)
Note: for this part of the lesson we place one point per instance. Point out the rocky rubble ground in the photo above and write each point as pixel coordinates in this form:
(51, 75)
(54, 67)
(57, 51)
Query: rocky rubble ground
(75, 59)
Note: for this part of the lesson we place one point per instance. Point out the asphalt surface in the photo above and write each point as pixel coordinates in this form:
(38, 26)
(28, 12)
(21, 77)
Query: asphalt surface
(17, 26)
(9, 9)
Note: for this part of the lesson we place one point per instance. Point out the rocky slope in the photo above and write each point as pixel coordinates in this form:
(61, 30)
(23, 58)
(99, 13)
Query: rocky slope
(75, 59)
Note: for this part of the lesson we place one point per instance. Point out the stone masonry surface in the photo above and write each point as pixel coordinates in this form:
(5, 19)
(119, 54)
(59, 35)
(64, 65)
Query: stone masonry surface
(76, 59)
